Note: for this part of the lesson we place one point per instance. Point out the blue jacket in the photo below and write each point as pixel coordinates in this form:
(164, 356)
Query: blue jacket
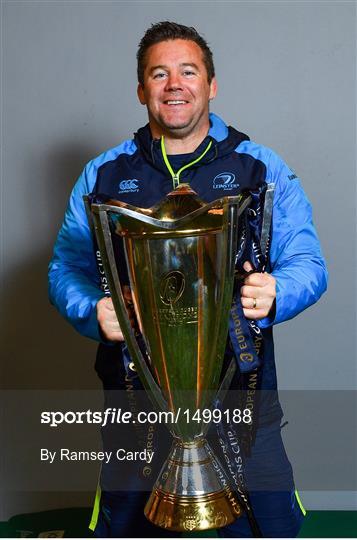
(136, 172)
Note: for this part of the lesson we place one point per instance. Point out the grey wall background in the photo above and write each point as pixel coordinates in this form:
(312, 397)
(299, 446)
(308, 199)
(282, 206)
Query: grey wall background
(286, 74)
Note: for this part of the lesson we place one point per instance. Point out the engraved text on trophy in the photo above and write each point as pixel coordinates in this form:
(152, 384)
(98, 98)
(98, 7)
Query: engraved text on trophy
(172, 287)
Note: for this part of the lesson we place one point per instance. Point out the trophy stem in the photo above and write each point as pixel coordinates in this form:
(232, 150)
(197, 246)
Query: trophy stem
(192, 492)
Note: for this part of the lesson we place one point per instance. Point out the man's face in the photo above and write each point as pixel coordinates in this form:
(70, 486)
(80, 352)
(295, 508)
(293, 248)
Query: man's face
(176, 91)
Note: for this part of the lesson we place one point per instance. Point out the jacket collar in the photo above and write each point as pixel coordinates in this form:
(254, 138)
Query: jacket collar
(225, 139)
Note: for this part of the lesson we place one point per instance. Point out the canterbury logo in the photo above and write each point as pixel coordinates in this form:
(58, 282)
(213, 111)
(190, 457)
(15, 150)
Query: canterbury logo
(225, 181)
(127, 186)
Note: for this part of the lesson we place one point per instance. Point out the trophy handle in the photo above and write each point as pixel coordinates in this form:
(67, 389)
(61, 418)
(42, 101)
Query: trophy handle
(103, 235)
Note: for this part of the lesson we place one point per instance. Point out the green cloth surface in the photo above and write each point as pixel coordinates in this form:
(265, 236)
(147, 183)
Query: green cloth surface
(329, 524)
(73, 522)
(64, 523)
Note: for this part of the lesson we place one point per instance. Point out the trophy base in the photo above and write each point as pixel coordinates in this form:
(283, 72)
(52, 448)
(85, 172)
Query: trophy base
(192, 492)
(195, 513)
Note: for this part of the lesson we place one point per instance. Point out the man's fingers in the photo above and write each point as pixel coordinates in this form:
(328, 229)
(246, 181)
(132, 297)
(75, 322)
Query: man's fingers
(252, 303)
(106, 303)
(255, 314)
(252, 292)
(111, 324)
(247, 266)
(257, 280)
(257, 295)
(256, 303)
(107, 314)
(107, 320)
(127, 294)
(113, 335)
(112, 331)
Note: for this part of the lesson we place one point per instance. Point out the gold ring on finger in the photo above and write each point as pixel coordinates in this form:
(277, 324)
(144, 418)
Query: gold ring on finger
(254, 303)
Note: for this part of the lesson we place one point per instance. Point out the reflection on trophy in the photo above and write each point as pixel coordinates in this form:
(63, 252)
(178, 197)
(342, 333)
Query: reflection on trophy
(180, 257)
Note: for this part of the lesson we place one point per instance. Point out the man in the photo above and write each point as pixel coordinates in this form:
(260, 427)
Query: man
(184, 143)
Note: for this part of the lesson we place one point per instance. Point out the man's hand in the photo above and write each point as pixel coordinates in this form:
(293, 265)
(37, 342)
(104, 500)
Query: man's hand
(257, 294)
(107, 318)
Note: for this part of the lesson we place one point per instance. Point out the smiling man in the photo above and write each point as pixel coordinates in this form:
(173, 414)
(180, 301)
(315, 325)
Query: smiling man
(183, 142)
(176, 89)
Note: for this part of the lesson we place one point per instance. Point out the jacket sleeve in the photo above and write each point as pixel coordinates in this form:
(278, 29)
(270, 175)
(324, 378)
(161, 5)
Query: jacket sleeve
(296, 260)
(74, 284)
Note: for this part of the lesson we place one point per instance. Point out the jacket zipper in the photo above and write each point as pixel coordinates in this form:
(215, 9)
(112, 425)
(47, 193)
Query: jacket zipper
(176, 176)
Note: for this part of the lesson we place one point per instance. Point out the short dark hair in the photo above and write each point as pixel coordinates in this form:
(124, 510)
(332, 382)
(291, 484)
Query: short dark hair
(166, 31)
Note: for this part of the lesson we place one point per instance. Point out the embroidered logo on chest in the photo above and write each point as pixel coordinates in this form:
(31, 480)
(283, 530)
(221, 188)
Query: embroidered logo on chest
(129, 186)
(225, 181)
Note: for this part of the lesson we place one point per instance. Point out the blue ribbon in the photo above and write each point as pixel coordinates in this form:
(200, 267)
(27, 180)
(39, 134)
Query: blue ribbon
(241, 334)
